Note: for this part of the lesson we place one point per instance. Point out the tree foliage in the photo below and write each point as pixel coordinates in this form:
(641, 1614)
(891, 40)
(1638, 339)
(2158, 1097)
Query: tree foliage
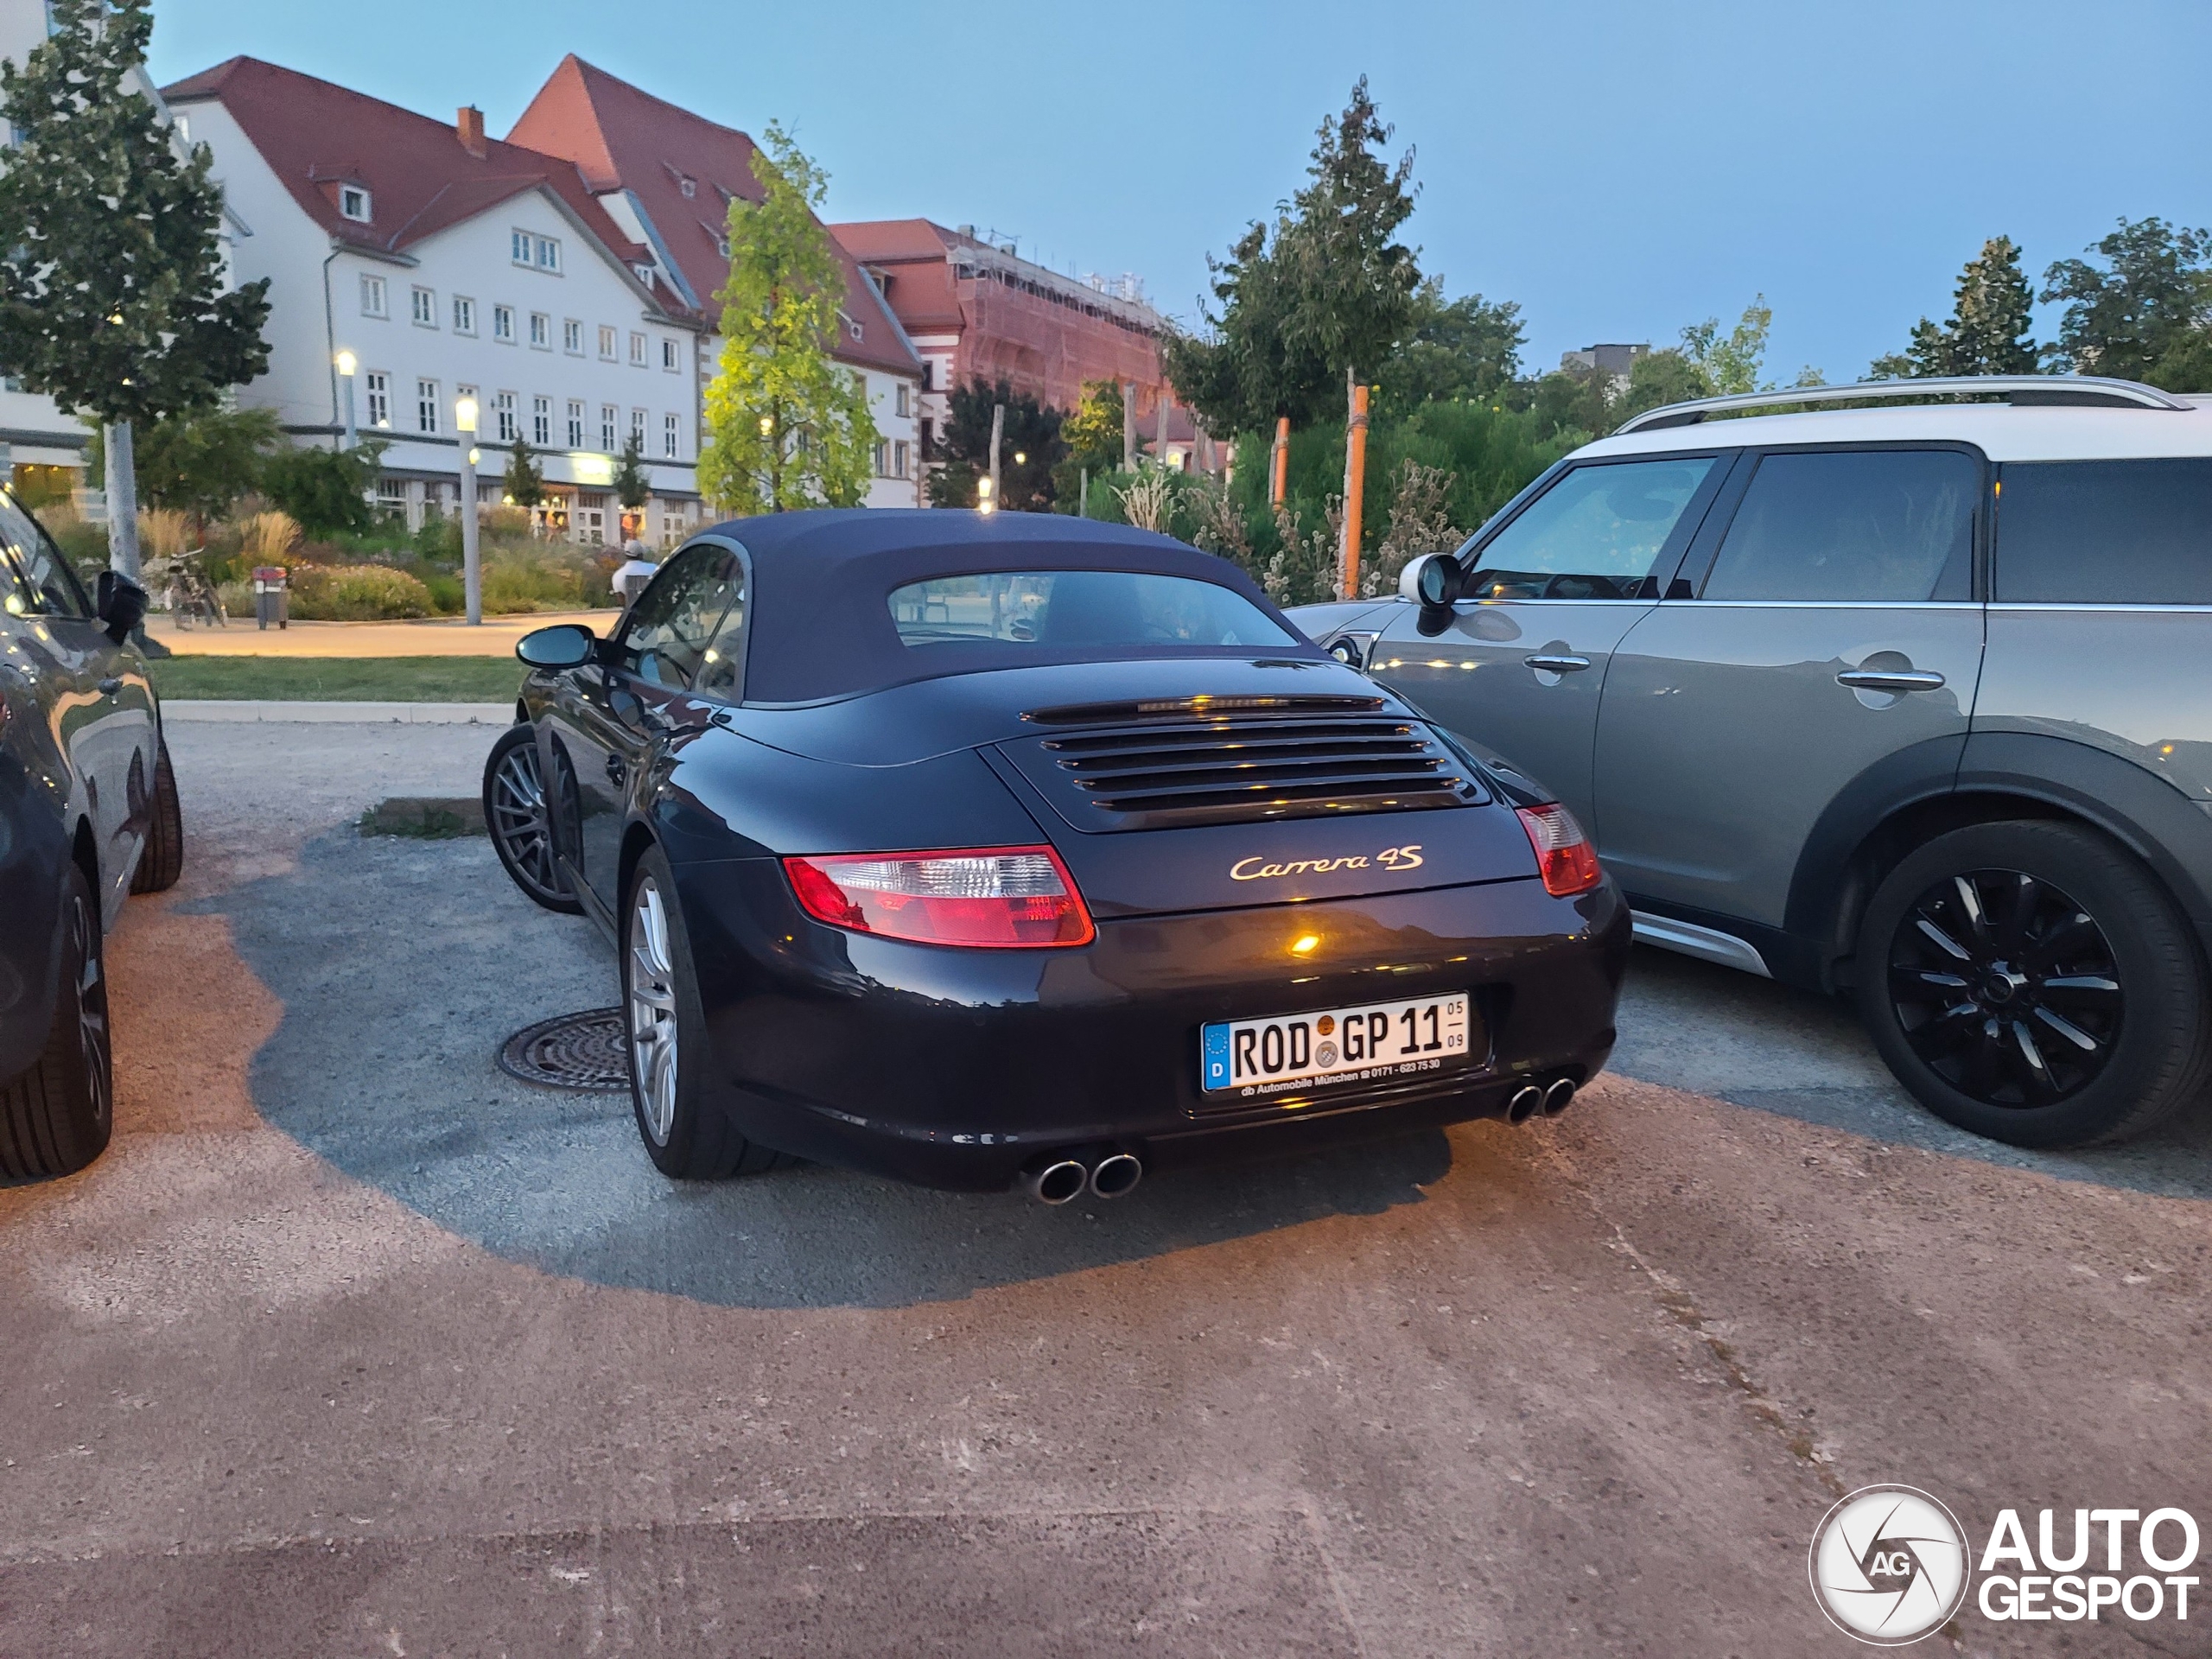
(2143, 314)
(200, 462)
(523, 483)
(1465, 348)
(1032, 431)
(1091, 440)
(112, 294)
(1327, 289)
(1988, 329)
(1730, 362)
(789, 426)
(633, 486)
(325, 490)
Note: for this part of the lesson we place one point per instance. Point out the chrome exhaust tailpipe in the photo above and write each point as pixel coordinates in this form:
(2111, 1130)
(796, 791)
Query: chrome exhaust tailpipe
(1056, 1180)
(1556, 1096)
(1116, 1176)
(1528, 1100)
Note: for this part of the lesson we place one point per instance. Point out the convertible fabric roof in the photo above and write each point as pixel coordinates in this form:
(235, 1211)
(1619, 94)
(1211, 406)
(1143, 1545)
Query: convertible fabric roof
(820, 625)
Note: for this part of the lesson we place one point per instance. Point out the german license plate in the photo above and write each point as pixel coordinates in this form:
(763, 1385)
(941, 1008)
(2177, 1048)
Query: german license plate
(1372, 1042)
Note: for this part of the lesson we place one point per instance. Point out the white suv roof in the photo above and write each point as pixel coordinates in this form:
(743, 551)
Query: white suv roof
(2162, 426)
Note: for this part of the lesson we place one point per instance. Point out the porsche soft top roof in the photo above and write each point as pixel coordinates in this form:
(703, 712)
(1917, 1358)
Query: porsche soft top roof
(821, 624)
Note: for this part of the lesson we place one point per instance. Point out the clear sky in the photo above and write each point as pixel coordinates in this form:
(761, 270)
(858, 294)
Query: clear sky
(1620, 169)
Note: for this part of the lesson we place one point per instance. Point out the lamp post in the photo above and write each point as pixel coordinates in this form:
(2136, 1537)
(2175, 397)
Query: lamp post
(471, 574)
(348, 363)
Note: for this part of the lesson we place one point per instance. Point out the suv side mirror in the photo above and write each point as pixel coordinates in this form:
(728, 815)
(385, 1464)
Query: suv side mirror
(1433, 582)
(566, 645)
(122, 605)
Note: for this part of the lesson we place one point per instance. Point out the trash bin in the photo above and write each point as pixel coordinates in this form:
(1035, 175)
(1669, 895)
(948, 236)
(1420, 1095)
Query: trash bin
(271, 596)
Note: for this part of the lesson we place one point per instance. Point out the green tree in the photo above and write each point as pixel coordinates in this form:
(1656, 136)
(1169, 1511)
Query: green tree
(523, 483)
(1658, 377)
(1091, 437)
(633, 486)
(1988, 330)
(1029, 448)
(201, 463)
(1331, 289)
(1730, 362)
(325, 490)
(1465, 348)
(2142, 316)
(112, 294)
(789, 426)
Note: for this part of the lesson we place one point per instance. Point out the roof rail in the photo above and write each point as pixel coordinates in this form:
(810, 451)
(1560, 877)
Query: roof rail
(2089, 391)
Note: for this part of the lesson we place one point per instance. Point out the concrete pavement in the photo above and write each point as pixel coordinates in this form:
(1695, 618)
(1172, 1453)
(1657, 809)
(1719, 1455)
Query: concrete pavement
(353, 1344)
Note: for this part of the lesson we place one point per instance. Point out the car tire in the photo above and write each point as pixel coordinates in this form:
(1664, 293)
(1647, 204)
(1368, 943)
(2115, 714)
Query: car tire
(686, 1133)
(163, 860)
(56, 1117)
(518, 815)
(2032, 982)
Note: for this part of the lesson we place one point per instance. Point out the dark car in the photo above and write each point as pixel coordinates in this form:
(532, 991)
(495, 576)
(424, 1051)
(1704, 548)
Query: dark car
(88, 813)
(964, 849)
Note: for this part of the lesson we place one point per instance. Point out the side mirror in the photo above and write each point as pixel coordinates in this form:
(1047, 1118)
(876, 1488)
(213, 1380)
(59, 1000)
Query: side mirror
(566, 645)
(122, 605)
(1433, 582)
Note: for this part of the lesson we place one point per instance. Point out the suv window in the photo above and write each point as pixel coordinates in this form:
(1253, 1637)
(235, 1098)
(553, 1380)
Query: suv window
(1596, 533)
(1854, 524)
(2105, 533)
(674, 621)
(51, 585)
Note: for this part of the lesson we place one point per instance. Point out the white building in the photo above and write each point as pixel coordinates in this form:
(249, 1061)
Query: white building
(438, 263)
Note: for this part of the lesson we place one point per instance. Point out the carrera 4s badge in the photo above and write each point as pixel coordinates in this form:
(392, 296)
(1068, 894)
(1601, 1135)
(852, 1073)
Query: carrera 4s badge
(1393, 858)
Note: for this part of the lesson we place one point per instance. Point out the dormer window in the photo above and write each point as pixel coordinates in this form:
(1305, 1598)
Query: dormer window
(354, 203)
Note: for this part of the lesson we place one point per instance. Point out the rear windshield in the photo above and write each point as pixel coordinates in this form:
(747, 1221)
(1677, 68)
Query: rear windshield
(1080, 609)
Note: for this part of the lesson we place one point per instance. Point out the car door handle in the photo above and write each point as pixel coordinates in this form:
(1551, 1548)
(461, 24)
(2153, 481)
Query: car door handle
(614, 769)
(1558, 665)
(111, 686)
(1890, 679)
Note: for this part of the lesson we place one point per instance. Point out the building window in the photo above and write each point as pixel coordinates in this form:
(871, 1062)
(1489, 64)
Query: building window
(423, 307)
(637, 351)
(503, 414)
(354, 203)
(541, 422)
(542, 252)
(899, 458)
(426, 406)
(883, 457)
(519, 247)
(464, 315)
(638, 427)
(572, 338)
(549, 254)
(903, 402)
(669, 358)
(576, 423)
(610, 420)
(379, 397)
(928, 436)
(671, 436)
(541, 331)
(372, 301)
(503, 323)
(607, 343)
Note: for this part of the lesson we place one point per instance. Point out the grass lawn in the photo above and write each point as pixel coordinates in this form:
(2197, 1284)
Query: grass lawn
(332, 679)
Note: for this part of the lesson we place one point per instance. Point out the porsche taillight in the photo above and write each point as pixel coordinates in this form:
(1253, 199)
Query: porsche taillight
(1565, 857)
(1019, 898)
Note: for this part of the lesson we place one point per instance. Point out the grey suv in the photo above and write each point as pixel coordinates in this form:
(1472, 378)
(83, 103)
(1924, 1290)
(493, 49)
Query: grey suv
(1909, 703)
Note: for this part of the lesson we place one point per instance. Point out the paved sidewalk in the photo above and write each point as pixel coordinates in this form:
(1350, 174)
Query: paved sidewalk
(443, 636)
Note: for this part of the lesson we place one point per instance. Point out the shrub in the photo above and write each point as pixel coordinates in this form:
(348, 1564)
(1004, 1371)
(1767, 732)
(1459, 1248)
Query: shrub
(356, 592)
(324, 489)
(268, 538)
(83, 543)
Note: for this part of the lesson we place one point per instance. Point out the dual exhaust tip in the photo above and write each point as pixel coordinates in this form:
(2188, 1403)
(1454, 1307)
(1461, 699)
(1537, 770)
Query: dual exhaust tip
(1059, 1180)
(1533, 1097)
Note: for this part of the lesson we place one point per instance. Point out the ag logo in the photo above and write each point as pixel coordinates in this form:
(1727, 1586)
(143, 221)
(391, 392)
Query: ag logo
(1888, 1565)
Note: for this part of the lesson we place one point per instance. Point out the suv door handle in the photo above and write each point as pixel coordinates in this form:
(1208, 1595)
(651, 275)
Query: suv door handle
(1890, 679)
(1558, 665)
(614, 769)
(111, 686)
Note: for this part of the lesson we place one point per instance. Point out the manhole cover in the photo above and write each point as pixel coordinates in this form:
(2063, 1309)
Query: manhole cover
(576, 1050)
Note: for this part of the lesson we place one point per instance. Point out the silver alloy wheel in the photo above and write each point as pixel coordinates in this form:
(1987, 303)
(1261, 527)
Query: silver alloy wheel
(521, 820)
(91, 1009)
(652, 1010)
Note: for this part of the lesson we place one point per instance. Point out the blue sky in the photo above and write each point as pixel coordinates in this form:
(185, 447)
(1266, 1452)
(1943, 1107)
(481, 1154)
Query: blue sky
(1619, 169)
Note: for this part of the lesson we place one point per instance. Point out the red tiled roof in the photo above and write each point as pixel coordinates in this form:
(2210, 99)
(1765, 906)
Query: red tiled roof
(621, 138)
(910, 251)
(420, 179)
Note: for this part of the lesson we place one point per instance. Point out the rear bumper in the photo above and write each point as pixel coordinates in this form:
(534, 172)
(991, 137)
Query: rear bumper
(957, 1068)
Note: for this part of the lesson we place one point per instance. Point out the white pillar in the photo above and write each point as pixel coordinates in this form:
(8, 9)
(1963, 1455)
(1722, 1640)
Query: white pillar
(122, 502)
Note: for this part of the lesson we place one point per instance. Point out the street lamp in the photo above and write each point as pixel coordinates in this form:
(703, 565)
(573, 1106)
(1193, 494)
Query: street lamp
(348, 363)
(472, 575)
(983, 493)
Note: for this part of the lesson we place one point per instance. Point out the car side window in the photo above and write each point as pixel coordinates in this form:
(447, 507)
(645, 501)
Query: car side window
(722, 667)
(50, 585)
(2104, 532)
(1598, 533)
(1846, 525)
(675, 620)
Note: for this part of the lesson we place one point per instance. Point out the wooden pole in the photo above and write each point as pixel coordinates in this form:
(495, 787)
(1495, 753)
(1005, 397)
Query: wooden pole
(1355, 483)
(1128, 426)
(998, 431)
(1279, 462)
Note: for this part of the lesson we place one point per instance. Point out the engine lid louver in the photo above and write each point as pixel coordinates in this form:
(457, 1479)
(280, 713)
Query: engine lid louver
(1245, 760)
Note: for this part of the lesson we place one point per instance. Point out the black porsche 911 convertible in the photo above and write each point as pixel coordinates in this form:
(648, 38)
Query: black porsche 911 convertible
(970, 850)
